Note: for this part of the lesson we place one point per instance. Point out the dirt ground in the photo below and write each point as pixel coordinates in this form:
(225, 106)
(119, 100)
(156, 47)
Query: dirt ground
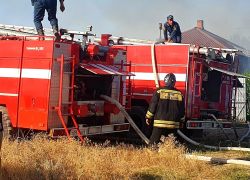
(218, 135)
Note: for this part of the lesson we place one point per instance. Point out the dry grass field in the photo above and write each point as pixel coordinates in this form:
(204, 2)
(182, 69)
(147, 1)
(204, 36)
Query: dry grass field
(46, 159)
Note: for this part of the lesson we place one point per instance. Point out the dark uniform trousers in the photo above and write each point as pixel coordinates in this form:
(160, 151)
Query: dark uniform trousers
(158, 132)
(167, 110)
(39, 11)
(176, 39)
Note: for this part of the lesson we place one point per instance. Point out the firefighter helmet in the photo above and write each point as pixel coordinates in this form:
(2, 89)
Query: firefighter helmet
(170, 80)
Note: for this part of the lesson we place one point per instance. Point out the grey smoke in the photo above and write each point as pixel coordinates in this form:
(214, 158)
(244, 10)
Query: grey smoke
(139, 18)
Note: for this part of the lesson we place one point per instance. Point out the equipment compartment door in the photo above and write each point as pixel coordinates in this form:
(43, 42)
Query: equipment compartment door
(34, 93)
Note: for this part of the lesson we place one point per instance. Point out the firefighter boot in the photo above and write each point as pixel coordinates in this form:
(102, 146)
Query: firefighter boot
(56, 33)
(40, 33)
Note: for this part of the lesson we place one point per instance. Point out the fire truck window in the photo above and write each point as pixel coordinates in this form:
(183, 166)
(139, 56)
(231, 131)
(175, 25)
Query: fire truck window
(211, 85)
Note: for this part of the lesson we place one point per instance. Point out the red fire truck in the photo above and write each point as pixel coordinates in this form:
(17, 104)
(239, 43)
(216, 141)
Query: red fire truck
(206, 76)
(56, 87)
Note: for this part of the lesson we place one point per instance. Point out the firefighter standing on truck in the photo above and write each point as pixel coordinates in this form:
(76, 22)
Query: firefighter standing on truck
(166, 110)
(174, 30)
(39, 11)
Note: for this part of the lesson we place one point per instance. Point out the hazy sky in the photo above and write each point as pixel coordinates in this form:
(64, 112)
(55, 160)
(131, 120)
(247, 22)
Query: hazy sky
(138, 18)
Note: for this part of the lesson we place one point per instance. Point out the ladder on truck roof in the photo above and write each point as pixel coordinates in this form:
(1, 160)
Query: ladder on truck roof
(26, 30)
(7, 30)
(23, 28)
(132, 41)
(68, 106)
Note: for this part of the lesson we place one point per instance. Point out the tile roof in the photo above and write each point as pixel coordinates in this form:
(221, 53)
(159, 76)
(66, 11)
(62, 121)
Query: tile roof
(202, 37)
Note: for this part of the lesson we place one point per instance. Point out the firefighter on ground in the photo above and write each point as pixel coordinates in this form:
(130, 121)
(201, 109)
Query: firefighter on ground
(174, 30)
(166, 110)
(39, 11)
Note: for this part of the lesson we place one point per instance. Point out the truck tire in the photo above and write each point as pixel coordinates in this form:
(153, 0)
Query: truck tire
(8, 130)
(138, 114)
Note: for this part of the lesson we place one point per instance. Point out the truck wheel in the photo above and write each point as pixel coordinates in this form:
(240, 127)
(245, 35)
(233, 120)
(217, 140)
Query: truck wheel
(8, 130)
(138, 114)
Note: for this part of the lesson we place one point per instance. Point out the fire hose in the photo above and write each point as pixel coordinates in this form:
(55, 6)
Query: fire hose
(130, 120)
(211, 147)
(146, 140)
(157, 84)
(226, 133)
(203, 158)
(218, 160)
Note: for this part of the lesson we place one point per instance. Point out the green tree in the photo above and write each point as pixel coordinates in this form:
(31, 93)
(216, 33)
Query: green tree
(248, 94)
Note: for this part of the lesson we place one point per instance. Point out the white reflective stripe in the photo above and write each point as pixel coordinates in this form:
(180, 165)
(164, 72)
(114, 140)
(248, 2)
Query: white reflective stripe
(150, 76)
(8, 94)
(26, 73)
(36, 73)
(10, 72)
(107, 71)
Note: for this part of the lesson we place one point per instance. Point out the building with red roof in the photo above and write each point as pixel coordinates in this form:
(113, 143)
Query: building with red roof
(199, 36)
